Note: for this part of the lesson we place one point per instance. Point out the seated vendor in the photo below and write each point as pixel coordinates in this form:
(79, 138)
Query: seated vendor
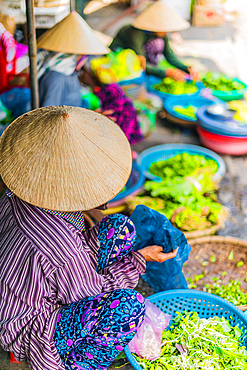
(60, 66)
(147, 36)
(66, 292)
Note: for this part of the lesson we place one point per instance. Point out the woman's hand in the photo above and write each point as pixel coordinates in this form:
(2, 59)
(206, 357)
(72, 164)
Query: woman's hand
(155, 253)
(176, 74)
(194, 74)
(108, 113)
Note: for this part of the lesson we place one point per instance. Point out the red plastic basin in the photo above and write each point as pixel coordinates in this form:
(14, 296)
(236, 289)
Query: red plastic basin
(223, 144)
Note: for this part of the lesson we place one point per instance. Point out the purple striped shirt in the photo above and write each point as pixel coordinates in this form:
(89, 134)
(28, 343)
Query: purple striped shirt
(45, 263)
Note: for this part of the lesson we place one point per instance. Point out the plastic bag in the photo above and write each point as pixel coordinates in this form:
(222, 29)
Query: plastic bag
(153, 228)
(147, 341)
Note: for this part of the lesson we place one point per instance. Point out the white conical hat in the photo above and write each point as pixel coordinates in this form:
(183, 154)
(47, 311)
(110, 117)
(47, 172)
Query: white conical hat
(64, 158)
(72, 35)
(160, 17)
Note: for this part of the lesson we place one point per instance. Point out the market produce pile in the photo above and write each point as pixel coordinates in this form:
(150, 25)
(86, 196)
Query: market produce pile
(231, 291)
(186, 195)
(189, 111)
(218, 268)
(241, 108)
(170, 86)
(117, 66)
(221, 82)
(195, 343)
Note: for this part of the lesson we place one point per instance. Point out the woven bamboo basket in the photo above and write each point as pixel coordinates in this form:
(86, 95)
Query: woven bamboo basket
(209, 231)
(221, 247)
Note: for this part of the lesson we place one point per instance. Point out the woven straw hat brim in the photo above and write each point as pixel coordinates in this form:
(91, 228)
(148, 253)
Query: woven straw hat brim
(64, 158)
(160, 17)
(72, 35)
(105, 39)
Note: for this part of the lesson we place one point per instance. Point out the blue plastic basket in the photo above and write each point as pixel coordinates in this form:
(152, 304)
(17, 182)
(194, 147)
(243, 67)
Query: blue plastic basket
(135, 88)
(133, 186)
(196, 101)
(205, 304)
(229, 127)
(153, 80)
(166, 151)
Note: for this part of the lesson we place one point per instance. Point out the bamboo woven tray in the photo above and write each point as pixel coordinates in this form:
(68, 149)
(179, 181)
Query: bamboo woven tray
(221, 247)
(210, 231)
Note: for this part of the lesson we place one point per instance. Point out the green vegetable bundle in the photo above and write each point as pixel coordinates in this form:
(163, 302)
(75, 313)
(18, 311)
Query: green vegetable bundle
(221, 82)
(185, 205)
(194, 343)
(186, 195)
(231, 291)
(170, 86)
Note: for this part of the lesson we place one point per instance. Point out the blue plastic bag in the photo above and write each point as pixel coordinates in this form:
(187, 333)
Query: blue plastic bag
(153, 228)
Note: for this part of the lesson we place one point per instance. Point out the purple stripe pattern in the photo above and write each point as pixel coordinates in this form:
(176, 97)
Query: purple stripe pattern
(46, 263)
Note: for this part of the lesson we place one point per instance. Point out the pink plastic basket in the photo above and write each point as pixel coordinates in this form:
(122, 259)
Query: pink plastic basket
(223, 144)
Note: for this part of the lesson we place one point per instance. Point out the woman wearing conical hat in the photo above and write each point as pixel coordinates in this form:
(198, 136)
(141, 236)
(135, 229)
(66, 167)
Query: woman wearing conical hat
(66, 292)
(65, 48)
(147, 36)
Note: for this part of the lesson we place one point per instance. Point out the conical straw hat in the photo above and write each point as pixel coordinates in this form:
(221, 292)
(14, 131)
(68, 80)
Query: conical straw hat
(105, 39)
(72, 35)
(160, 17)
(64, 158)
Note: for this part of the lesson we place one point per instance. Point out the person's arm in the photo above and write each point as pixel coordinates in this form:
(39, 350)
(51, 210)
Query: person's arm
(172, 58)
(78, 278)
(155, 71)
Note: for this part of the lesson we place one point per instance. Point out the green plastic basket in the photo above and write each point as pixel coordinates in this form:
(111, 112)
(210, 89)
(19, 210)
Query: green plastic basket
(231, 95)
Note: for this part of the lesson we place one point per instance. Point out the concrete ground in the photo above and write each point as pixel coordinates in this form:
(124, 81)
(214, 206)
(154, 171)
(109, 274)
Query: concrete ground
(219, 48)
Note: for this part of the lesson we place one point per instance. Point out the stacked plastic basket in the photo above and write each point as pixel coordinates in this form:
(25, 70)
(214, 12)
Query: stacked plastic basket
(226, 136)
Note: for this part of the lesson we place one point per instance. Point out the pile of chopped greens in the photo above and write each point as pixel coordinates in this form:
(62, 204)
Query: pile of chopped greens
(183, 164)
(221, 82)
(186, 195)
(232, 291)
(189, 111)
(194, 343)
(170, 86)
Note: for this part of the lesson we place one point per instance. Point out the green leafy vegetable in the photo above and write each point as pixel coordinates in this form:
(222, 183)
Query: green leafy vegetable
(183, 164)
(231, 291)
(189, 111)
(221, 82)
(186, 195)
(170, 86)
(194, 343)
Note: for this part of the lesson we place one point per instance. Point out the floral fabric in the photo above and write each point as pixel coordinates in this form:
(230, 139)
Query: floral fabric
(117, 236)
(90, 333)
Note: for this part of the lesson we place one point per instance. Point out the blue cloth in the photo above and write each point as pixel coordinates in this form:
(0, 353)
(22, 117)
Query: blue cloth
(117, 236)
(153, 228)
(17, 100)
(58, 89)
